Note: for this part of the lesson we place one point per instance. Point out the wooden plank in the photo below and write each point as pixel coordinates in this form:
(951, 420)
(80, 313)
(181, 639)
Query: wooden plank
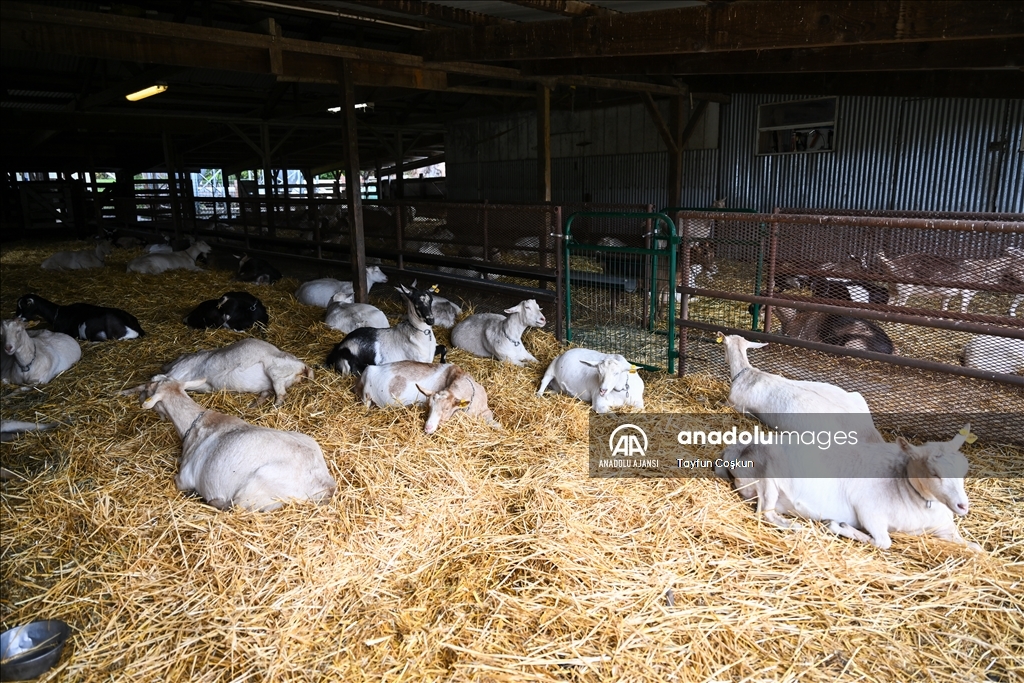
(433, 11)
(723, 27)
(659, 123)
(998, 84)
(357, 239)
(543, 144)
(566, 8)
(980, 53)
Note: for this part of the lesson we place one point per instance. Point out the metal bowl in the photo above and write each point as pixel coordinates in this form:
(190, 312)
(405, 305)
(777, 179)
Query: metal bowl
(29, 651)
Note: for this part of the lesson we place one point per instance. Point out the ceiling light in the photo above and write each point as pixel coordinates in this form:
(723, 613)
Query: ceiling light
(367, 106)
(146, 92)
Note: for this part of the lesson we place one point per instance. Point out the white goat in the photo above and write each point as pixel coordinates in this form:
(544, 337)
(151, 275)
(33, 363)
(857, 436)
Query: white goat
(80, 260)
(154, 264)
(34, 357)
(996, 272)
(231, 462)
(995, 354)
(345, 316)
(12, 429)
(319, 292)
(606, 381)
(446, 389)
(876, 488)
(785, 403)
(247, 365)
(445, 312)
(493, 335)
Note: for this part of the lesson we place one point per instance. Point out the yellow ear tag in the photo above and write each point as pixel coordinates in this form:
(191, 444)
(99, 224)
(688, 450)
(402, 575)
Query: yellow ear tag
(149, 403)
(435, 289)
(632, 369)
(463, 403)
(970, 438)
(719, 338)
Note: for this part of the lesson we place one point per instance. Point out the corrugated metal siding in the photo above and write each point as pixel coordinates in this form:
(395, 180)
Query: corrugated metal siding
(890, 153)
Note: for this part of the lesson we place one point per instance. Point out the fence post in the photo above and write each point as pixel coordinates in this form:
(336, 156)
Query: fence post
(684, 296)
(773, 247)
(559, 274)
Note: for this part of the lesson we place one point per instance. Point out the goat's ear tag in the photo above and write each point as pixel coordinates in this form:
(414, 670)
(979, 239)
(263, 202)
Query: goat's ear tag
(463, 403)
(435, 289)
(968, 436)
(149, 402)
(719, 338)
(632, 369)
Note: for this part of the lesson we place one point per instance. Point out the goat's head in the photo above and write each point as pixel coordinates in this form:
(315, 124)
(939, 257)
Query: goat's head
(444, 403)
(613, 373)
(418, 303)
(13, 331)
(937, 470)
(28, 307)
(530, 312)
(374, 275)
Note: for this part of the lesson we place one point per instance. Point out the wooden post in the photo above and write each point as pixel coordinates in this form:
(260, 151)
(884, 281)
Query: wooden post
(543, 143)
(172, 183)
(357, 242)
(268, 178)
(399, 159)
(677, 108)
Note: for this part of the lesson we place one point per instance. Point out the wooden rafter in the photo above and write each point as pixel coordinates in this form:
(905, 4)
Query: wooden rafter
(725, 27)
(982, 53)
(566, 8)
(431, 10)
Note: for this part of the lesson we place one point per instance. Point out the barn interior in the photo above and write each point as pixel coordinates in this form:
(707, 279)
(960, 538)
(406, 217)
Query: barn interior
(450, 141)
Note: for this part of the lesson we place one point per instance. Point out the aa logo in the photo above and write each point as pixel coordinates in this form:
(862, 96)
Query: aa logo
(630, 442)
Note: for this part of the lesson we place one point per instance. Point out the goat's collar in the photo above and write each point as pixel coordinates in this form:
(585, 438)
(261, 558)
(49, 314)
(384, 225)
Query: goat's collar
(428, 331)
(927, 501)
(27, 366)
(514, 341)
(625, 387)
(472, 397)
(738, 374)
(191, 426)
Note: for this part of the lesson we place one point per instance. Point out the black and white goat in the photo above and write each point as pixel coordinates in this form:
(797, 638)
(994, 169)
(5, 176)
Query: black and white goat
(411, 339)
(258, 270)
(82, 321)
(234, 311)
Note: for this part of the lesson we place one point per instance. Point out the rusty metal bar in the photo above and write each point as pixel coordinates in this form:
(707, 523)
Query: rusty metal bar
(868, 355)
(924, 321)
(864, 221)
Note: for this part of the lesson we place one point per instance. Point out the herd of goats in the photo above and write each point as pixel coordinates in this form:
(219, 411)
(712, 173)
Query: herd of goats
(229, 462)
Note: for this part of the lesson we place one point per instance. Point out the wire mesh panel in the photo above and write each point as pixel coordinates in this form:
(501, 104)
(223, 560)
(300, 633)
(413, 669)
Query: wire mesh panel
(620, 275)
(937, 295)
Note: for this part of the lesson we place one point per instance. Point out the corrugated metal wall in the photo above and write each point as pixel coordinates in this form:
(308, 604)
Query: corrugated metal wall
(890, 153)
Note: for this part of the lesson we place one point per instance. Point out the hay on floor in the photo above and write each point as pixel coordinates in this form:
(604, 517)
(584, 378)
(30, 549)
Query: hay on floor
(472, 554)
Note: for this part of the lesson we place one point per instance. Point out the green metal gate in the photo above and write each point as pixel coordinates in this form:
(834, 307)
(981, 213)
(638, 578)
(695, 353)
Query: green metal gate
(620, 285)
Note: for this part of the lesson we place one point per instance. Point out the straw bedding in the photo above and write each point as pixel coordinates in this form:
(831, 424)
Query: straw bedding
(471, 554)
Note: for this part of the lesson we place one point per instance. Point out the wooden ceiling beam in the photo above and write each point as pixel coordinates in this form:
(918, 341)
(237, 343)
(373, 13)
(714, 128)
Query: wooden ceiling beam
(982, 53)
(432, 10)
(566, 8)
(726, 27)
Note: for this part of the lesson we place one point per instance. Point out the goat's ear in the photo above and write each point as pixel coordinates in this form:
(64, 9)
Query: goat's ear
(514, 309)
(423, 391)
(134, 390)
(193, 384)
(591, 363)
(912, 451)
(756, 345)
(151, 401)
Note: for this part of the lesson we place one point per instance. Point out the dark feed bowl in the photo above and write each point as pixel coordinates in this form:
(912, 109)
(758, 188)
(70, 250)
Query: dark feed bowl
(31, 650)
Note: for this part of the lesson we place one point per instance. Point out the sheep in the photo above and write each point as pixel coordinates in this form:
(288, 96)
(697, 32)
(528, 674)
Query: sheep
(319, 292)
(230, 462)
(84, 321)
(11, 429)
(35, 357)
(875, 488)
(493, 335)
(785, 403)
(411, 339)
(256, 270)
(346, 316)
(234, 311)
(607, 381)
(154, 264)
(445, 389)
(246, 366)
(79, 260)
(994, 354)
(834, 329)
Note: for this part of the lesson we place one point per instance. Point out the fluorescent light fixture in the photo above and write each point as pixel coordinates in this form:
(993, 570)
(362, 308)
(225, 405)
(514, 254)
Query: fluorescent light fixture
(362, 105)
(146, 92)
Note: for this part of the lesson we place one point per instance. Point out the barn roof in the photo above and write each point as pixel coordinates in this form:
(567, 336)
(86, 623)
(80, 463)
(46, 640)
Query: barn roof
(248, 76)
